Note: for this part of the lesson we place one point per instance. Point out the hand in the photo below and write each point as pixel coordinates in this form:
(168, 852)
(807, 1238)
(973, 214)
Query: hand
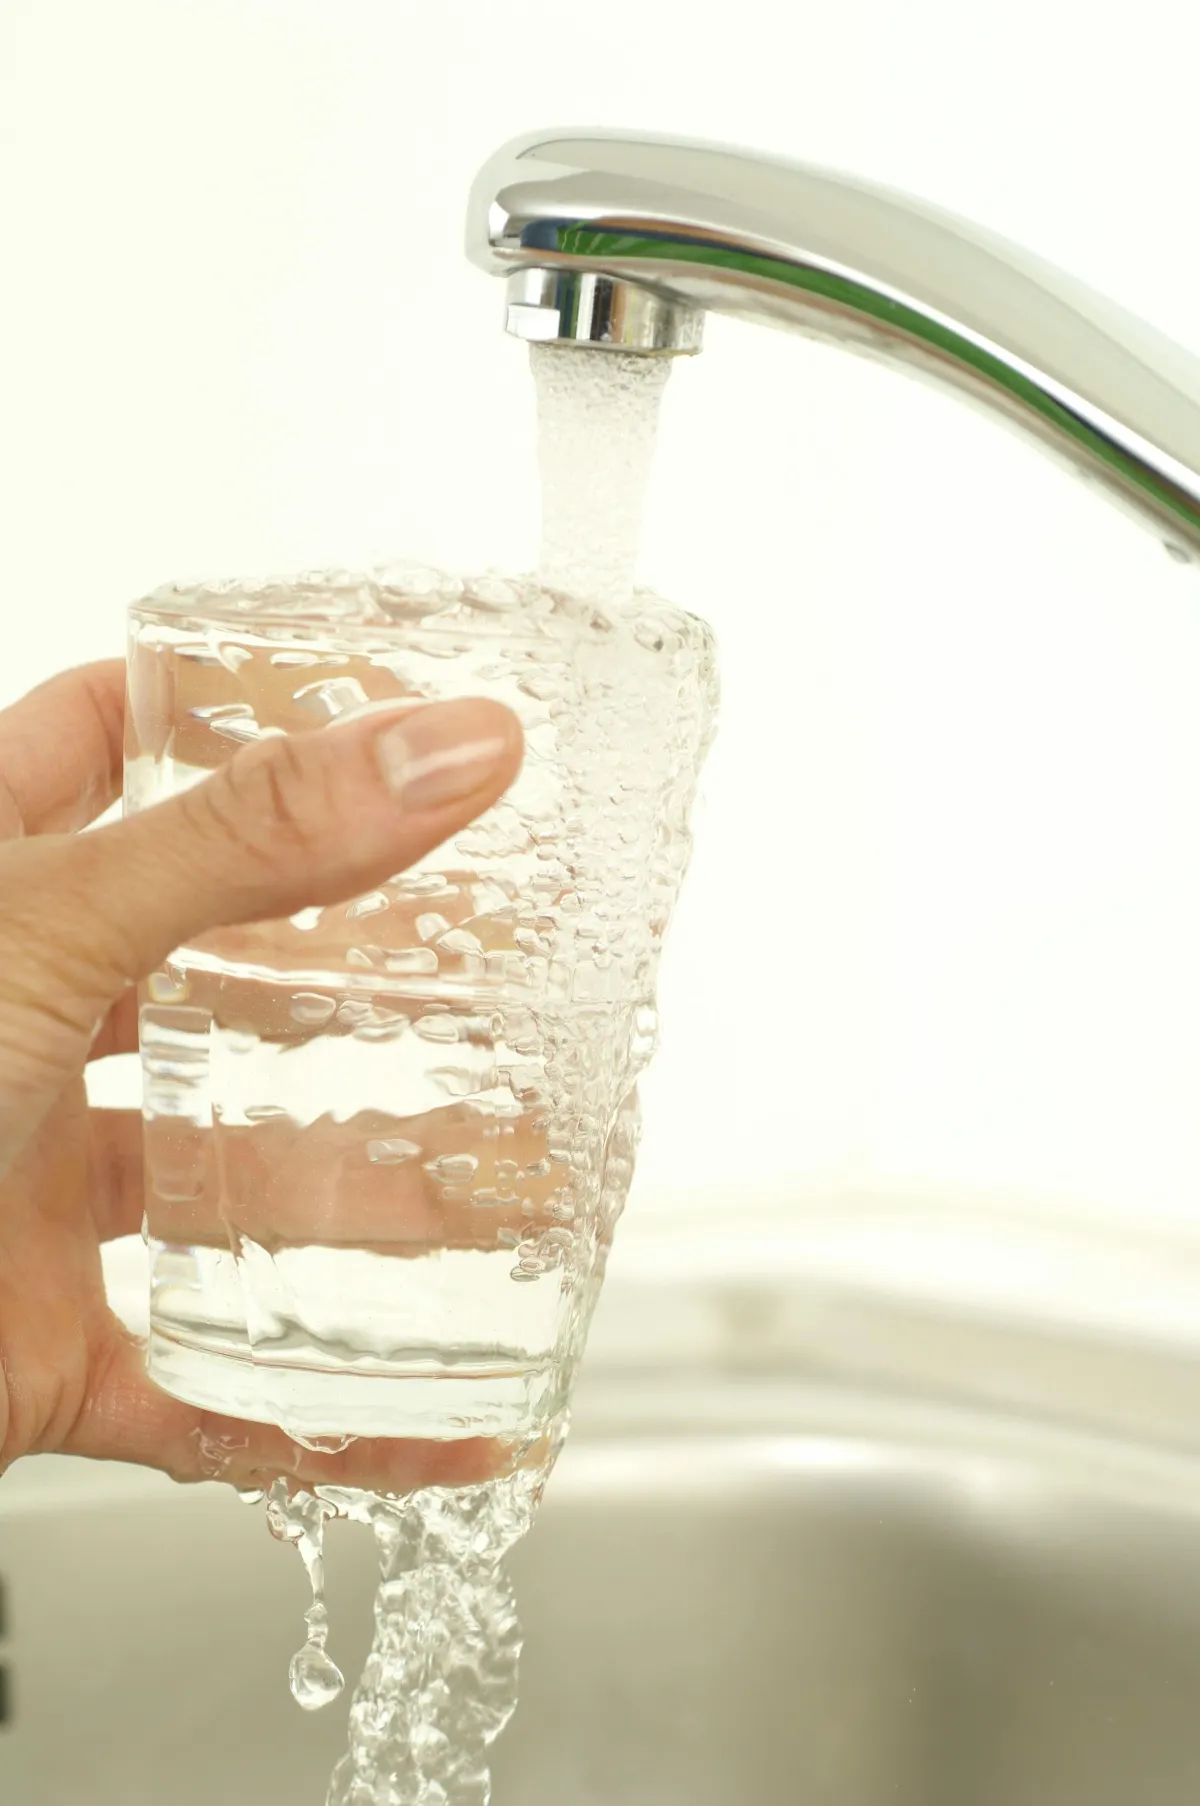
(286, 824)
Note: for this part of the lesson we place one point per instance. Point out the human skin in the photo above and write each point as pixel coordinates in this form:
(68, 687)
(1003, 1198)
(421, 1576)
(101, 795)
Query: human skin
(285, 825)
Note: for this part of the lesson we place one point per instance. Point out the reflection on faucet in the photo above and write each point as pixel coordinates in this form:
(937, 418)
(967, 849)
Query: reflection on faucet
(626, 241)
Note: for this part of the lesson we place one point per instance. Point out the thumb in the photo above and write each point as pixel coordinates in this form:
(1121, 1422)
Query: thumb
(294, 821)
(288, 822)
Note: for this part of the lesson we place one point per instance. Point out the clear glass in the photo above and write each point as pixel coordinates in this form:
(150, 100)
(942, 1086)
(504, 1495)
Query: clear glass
(387, 1142)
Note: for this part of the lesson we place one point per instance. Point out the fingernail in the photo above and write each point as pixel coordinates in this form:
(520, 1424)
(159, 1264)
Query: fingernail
(442, 753)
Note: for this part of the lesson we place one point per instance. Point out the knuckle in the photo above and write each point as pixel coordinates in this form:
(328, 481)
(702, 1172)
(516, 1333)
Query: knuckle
(286, 794)
(258, 805)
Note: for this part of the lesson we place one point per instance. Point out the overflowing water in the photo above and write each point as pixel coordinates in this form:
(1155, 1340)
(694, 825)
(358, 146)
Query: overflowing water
(387, 1142)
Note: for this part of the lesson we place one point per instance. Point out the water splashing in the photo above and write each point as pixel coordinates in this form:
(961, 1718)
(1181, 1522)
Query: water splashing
(440, 1683)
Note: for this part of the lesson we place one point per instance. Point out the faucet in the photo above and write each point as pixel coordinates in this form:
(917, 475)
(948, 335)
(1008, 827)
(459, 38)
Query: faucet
(625, 241)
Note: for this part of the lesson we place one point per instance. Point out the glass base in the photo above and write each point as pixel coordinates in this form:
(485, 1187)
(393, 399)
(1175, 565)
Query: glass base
(347, 1343)
(319, 1403)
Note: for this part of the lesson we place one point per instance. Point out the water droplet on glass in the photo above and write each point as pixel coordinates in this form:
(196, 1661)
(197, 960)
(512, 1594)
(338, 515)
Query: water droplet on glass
(370, 905)
(391, 1151)
(416, 583)
(453, 1167)
(331, 697)
(520, 1030)
(525, 1083)
(217, 1453)
(649, 633)
(460, 940)
(455, 1081)
(413, 962)
(440, 1028)
(430, 926)
(353, 1012)
(382, 1025)
(430, 884)
(320, 1445)
(240, 728)
(494, 594)
(235, 720)
(306, 919)
(543, 688)
(311, 1007)
(167, 987)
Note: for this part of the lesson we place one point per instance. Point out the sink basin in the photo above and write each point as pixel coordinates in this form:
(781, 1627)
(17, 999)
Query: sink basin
(740, 1589)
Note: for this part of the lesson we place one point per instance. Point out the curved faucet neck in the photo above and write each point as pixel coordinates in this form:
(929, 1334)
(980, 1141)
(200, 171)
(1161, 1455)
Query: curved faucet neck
(625, 240)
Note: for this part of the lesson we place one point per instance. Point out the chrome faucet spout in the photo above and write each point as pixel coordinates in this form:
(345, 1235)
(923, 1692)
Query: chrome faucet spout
(626, 241)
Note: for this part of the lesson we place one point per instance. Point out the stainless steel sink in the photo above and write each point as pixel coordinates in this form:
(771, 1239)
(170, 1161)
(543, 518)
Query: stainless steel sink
(740, 1590)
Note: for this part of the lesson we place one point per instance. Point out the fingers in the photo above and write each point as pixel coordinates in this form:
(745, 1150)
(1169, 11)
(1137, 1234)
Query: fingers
(117, 1191)
(294, 822)
(61, 751)
(118, 1033)
(285, 824)
(126, 1418)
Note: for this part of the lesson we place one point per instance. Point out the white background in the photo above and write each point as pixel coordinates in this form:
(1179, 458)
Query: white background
(941, 936)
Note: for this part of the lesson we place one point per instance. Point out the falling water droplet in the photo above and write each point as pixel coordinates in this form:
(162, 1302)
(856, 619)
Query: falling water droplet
(315, 1678)
(299, 1517)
